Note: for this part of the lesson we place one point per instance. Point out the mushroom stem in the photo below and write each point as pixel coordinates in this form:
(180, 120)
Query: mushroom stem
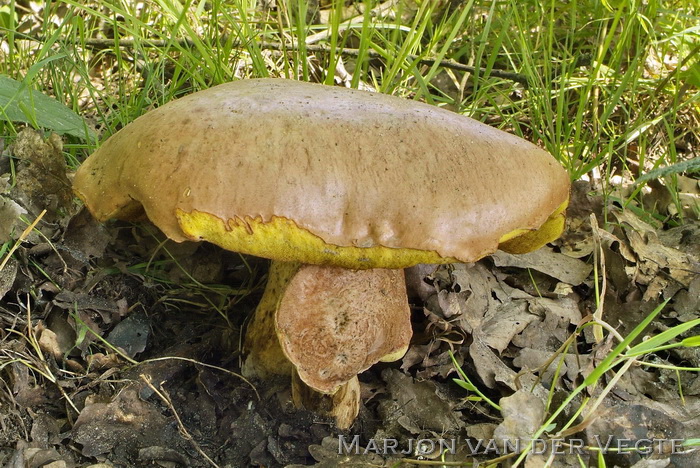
(264, 356)
(343, 405)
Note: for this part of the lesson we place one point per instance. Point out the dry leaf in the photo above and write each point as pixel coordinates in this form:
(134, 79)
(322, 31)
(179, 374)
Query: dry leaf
(7, 276)
(11, 226)
(523, 414)
(652, 255)
(127, 423)
(416, 406)
(41, 181)
(546, 260)
(510, 319)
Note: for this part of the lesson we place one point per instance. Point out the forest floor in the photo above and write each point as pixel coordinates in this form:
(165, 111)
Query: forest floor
(121, 347)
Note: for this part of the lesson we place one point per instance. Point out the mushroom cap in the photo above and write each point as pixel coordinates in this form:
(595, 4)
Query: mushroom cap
(334, 323)
(303, 172)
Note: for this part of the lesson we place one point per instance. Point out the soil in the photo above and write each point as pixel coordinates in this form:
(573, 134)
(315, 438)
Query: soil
(121, 348)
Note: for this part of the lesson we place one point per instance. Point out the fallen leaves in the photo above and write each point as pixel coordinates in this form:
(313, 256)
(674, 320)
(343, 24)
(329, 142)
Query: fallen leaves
(123, 423)
(523, 413)
(657, 266)
(517, 325)
(41, 181)
(516, 320)
(562, 267)
(416, 406)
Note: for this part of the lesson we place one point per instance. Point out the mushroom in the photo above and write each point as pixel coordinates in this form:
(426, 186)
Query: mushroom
(342, 189)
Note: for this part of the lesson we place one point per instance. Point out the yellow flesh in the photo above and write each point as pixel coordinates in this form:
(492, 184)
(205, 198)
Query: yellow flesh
(395, 356)
(281, 239)
(265, 356)
(522, 241)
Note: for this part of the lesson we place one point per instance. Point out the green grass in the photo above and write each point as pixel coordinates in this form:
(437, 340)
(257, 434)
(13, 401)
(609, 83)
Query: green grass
(608, 87)
(598, 94)
(616, 362)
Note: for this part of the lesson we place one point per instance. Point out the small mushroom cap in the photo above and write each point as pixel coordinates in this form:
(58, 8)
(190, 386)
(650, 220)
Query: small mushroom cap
(334, 323)
(303, 172)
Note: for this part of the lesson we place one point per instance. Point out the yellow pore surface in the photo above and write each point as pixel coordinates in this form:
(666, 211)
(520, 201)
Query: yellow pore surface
(523, 240)
(281, 239)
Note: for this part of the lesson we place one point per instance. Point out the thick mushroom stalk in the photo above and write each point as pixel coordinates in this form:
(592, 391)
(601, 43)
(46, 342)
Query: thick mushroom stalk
(328, 324)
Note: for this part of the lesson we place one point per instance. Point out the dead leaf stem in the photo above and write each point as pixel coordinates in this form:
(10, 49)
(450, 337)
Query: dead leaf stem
(163, 395)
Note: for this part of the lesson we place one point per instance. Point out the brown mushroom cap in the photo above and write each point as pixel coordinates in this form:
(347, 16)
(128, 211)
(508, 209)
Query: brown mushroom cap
(302, 172)
(339, 322)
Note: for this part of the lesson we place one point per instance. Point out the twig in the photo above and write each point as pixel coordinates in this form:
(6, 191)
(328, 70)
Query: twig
(183, 431)
(221, 369)
(492, 462)
(283, 47)
(21, 239)
(598, 258)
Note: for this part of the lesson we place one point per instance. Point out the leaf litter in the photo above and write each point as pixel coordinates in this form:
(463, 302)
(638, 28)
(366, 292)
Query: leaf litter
(120, 347)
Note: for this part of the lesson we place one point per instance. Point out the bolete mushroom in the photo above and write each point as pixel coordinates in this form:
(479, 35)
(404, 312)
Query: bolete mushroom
(341, 189)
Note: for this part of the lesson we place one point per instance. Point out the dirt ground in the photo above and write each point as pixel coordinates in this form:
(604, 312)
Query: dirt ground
(120, 348)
